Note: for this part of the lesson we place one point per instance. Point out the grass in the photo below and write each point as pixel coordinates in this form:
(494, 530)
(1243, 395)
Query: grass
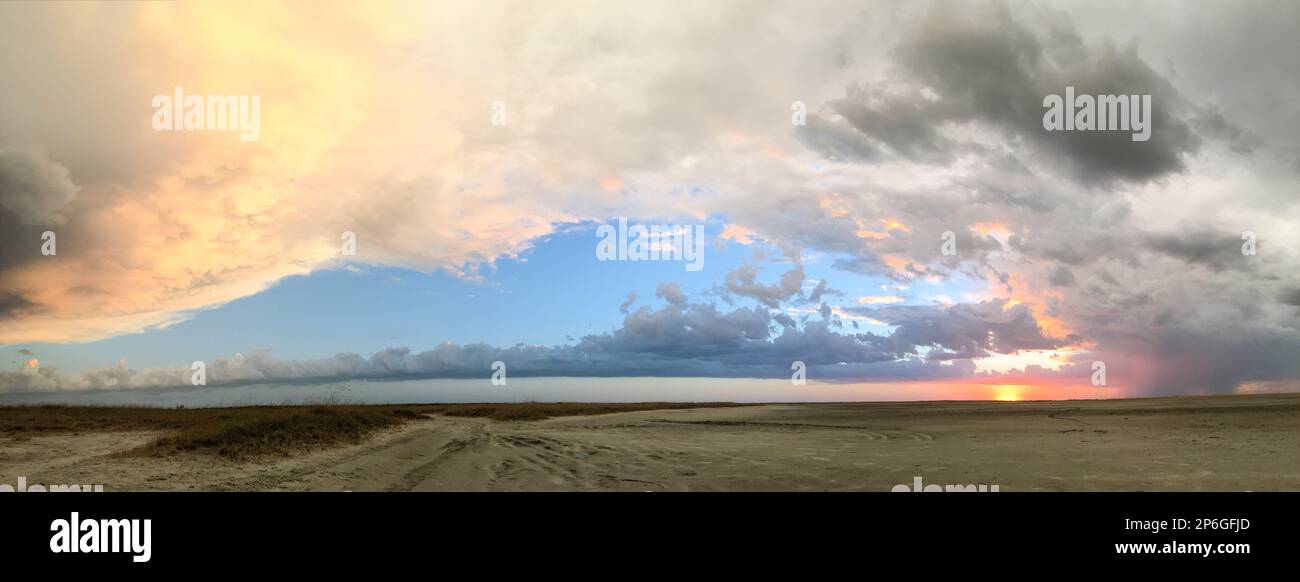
(539, 411)
(253, 432)
(276, 431)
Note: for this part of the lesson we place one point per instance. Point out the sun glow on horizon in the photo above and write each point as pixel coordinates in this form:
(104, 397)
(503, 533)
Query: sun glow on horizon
(1009, 392)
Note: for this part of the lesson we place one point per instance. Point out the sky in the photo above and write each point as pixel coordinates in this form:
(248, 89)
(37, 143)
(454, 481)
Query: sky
(428, 187)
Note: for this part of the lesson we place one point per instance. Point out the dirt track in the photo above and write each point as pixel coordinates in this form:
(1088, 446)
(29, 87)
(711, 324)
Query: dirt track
(1182, 444)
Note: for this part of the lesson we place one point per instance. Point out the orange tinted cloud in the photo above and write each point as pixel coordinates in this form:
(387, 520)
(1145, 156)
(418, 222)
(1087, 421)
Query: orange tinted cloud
(207, 218)
(1038, 298)
(611, 184)
(991, 228)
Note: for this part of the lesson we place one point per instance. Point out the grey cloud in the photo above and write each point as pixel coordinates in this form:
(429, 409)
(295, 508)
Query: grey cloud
(12, 304)
(35, 193)
(836, 139)
(963, 97)
(741, 281)
(1291, 297)
(631, 298)
(1062, 276)
(963, 329)
(1192, 361)
(678, 340)
(1211, 122)
(821, 289)
(33, 188)
(967, 63)
(672, 293)
(1216, 250)
(906, 125)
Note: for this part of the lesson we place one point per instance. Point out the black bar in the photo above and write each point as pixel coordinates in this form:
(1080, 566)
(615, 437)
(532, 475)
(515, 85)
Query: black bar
(986, 532)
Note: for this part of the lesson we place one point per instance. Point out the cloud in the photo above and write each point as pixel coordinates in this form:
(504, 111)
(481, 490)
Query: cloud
(741, 281)
(678, 340)
(1291, 297)
(822, 289)
(33, 189)
(1215, 250)
(166, 224)
(927, 115)
(983, 66)
(1061, 276)
(963, 330)
(12, 304)
(672, 293)
(631, 298)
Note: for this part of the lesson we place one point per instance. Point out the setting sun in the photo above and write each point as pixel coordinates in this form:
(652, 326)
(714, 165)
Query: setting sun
(1009, 392)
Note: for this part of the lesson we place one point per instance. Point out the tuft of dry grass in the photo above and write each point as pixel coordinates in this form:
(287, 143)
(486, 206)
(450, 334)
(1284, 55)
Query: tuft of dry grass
(543, 410)
(277, 431)
(55, 418)
(252, 432)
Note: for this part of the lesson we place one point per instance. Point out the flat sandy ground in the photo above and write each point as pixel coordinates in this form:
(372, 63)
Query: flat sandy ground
(1228, 443)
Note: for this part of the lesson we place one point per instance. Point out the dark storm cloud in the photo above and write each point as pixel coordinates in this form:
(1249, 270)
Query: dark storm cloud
(981, 64)
(33, 189)
(34, 195)
(1193, 361)
(960, 93)
(906, 124)
(1080, 251)
(29, 198)
(677, 340)
(12, 304)
(964, 330)
(699, 330)
(1062, 276)
(1112, 237)
(1291, 297)
(1213, 249)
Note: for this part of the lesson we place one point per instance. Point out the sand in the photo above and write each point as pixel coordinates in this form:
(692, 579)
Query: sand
(1232, 443)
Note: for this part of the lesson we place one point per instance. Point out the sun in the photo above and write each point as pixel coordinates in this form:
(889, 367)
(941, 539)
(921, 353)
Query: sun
(1008, 392)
